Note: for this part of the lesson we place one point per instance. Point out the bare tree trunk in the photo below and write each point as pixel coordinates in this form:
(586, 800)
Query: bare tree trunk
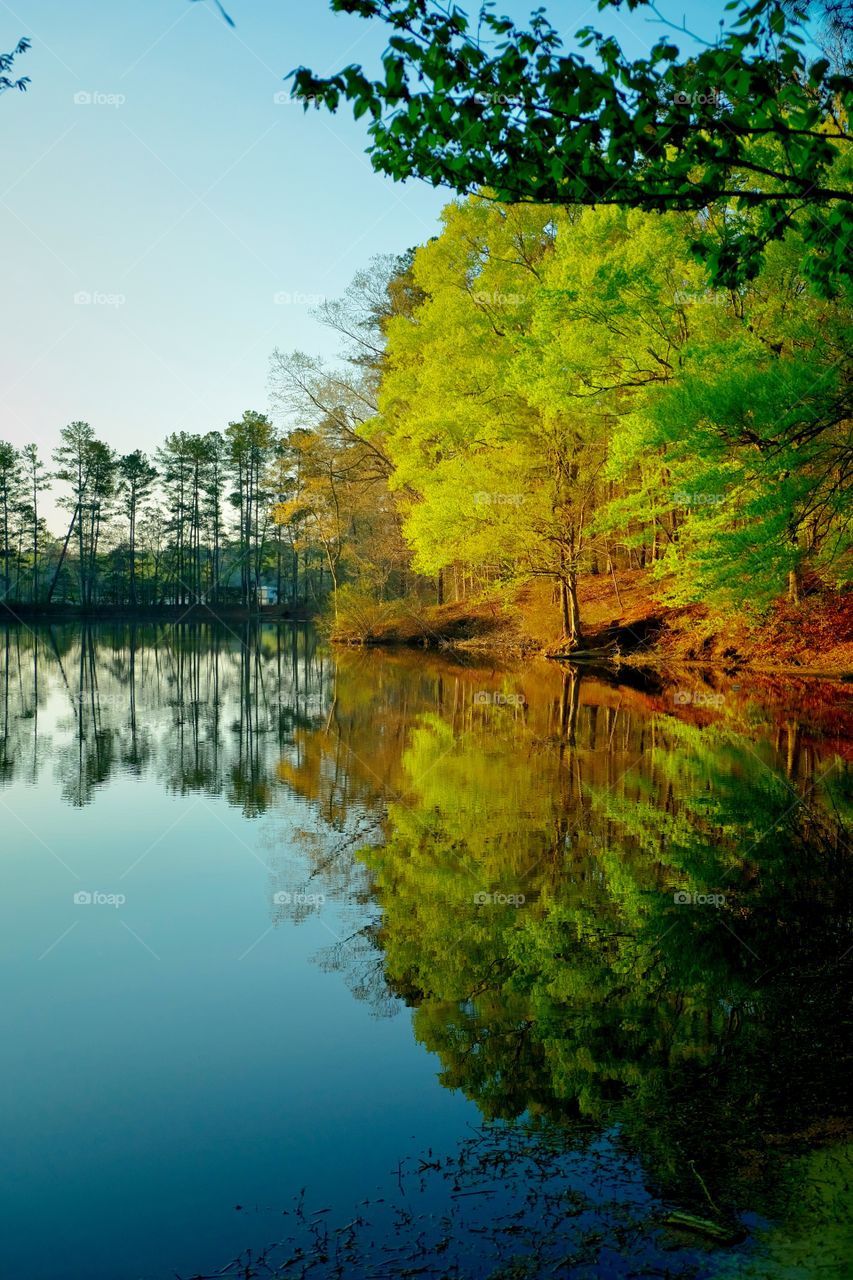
(570, 611)
(569, 608)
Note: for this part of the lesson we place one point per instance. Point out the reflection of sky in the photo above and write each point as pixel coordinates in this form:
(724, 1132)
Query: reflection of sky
(176, 1056)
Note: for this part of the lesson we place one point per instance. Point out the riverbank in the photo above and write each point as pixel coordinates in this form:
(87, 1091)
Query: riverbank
(624, 622)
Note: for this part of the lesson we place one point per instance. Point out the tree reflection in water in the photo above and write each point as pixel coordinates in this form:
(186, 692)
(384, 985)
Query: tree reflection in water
(616, 917)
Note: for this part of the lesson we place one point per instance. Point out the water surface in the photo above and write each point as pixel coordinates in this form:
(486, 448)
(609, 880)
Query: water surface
(405, 961)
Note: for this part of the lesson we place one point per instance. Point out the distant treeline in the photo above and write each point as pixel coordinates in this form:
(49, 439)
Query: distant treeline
(194, 524)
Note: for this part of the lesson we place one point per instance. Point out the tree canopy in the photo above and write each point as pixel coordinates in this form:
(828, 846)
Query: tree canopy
(750, 118)
(567, 393)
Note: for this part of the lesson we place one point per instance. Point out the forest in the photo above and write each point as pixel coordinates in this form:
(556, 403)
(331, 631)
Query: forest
(538, 393)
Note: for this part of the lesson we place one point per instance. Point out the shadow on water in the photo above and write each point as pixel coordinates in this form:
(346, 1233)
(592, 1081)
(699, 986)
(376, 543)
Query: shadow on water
(618, 913)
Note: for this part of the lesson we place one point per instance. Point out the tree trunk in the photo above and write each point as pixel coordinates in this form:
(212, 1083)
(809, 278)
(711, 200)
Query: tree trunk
(81, 554)
(35, 587)
(5, 546)
(62, 554)
(569, 609)
(132, 548)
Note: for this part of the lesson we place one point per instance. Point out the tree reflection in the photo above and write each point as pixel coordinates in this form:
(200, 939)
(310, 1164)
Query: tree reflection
(707, 1027)
(600, 905)
(207, 709)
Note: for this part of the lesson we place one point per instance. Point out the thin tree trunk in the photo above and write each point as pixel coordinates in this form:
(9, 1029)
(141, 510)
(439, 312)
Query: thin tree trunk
(62, 554)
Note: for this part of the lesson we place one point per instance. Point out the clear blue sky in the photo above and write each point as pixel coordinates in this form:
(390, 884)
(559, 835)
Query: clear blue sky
(187, 195)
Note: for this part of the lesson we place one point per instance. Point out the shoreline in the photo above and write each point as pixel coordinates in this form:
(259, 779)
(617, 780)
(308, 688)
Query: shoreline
(660, 651)
(625, 624)
(25, 614)
(649, 660)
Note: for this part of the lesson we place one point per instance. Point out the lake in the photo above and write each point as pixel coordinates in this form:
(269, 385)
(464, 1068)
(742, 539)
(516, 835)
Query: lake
(368, 963)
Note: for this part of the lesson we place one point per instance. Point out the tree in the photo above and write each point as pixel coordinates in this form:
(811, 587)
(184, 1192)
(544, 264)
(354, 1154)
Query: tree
(338, 474)
(318, 503)
(73, 459)
(567, 377)
(175, 462)
(491, 476)
(214, 482)
(103, 464)
(731, 410)
(251, 444)
(37, 480)
(10, 494)
(90, 467)
(747, 119)
(136, 482)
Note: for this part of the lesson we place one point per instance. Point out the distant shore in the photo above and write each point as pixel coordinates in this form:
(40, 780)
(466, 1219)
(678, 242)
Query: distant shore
(172, 614)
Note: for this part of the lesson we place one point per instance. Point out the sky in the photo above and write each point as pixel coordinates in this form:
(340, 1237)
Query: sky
(168, 218)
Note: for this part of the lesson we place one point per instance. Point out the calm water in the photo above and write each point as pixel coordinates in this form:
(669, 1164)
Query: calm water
(386, 961)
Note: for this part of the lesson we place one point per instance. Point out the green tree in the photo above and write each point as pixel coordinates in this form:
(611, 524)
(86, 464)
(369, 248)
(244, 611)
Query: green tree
(214, 483)
(136, 483)
(175, 460)
(495, 469)
(37, 481)
(251, 443)
(731, 410)
(79, 459)
(746, 118)
(10, 495)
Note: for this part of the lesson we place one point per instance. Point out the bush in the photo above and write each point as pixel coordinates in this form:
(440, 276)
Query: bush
(362, 618)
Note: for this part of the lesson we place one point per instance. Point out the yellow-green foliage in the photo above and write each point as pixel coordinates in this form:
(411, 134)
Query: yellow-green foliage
(569, 383)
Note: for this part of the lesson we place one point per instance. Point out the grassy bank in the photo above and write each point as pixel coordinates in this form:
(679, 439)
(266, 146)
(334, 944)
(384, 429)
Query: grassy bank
(623, 621)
